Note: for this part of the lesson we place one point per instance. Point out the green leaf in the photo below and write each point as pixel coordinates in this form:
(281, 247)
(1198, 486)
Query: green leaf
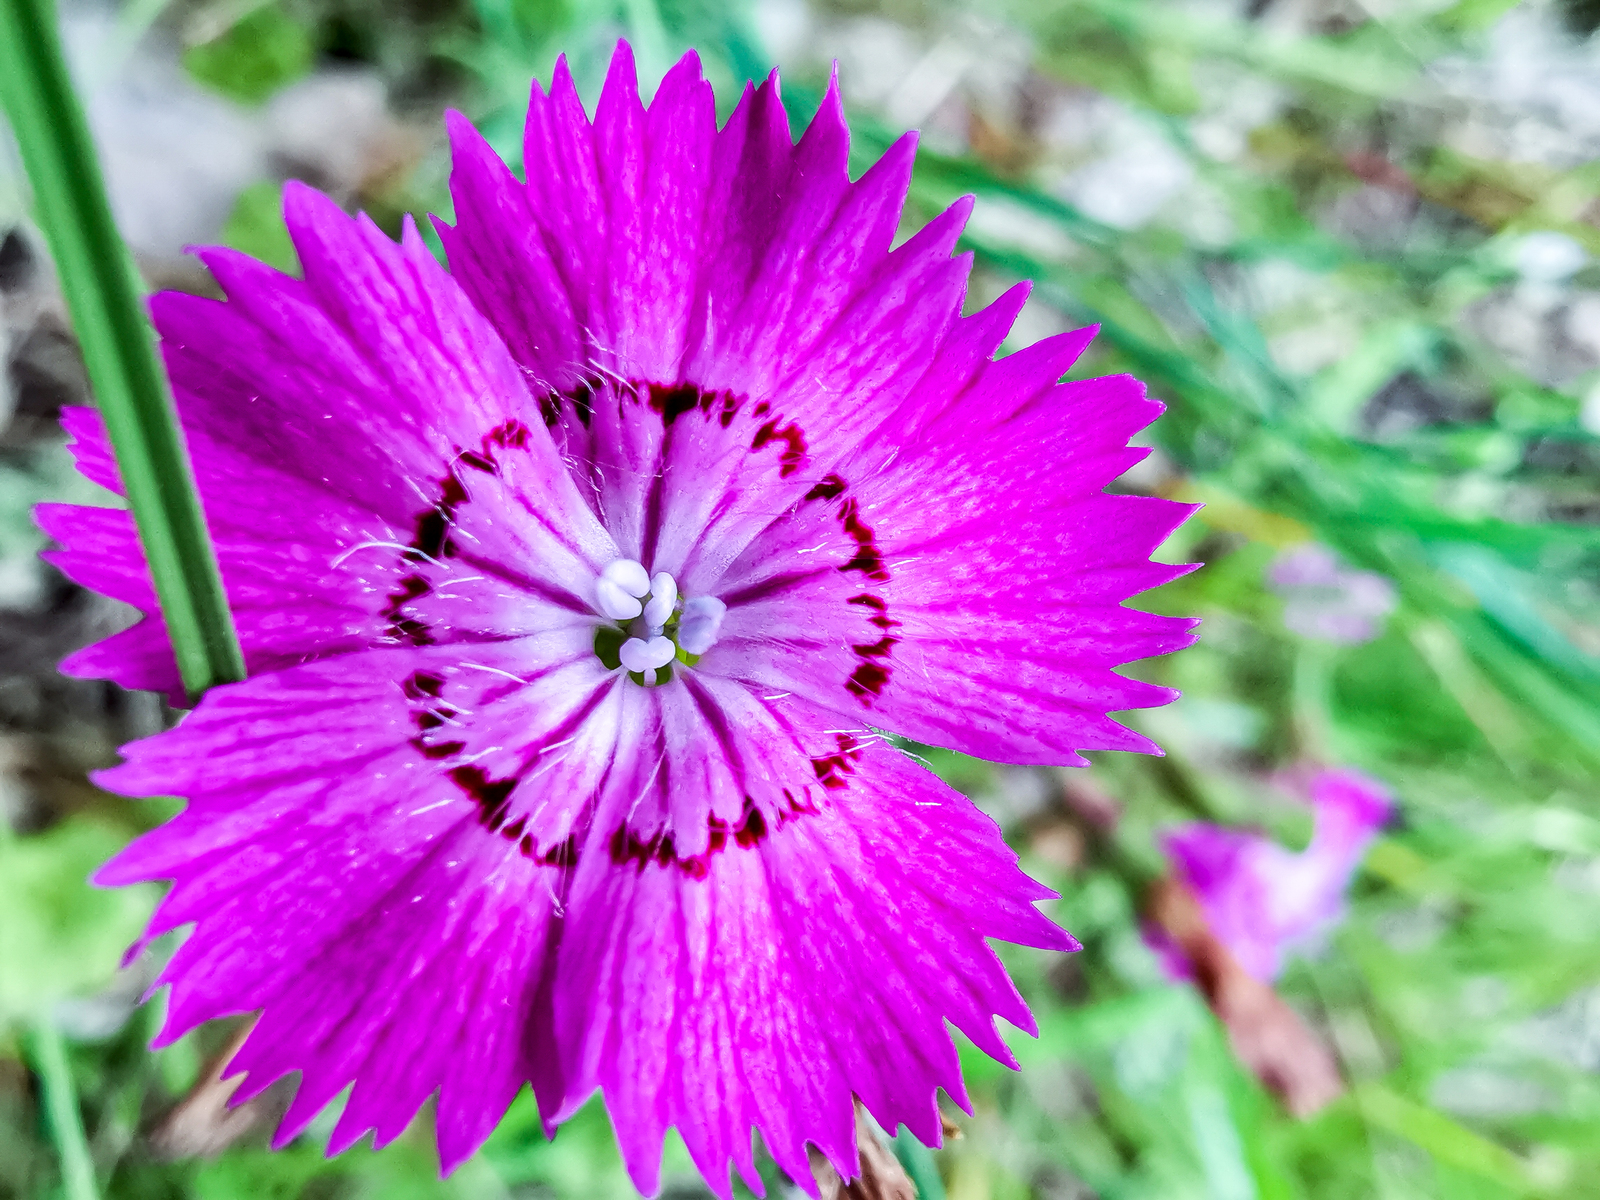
(254, 57)
(917, 1159)
(49, 1054)
(256, 227)
(1446, 1139)
(59, 937)
(1475, 15)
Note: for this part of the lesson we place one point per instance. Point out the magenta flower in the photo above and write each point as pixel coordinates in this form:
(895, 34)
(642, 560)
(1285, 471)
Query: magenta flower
(573, 584)
(1262, 900)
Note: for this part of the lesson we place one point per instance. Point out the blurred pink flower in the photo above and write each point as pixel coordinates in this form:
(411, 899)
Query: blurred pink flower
(1326, 600)
(1261, 900)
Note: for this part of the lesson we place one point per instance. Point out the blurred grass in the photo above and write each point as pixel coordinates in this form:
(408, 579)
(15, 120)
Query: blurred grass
(1457, 993)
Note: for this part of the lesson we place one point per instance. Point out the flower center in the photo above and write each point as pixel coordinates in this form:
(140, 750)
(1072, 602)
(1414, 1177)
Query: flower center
(652, 626)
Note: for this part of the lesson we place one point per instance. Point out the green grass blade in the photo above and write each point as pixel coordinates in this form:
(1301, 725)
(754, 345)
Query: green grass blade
(103, 294)
(49, 1054)
(917, 1159)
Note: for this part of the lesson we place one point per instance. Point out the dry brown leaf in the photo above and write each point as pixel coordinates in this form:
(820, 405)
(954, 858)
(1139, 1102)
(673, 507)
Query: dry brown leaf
(201, 1125)
(952, 1132)
(1008, 150)
(1094, 807)
(882, 1177)
(1058, 842)
(1267, 1035)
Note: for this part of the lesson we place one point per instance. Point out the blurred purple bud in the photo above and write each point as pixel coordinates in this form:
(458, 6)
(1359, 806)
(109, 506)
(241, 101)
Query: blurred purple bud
(1263, 901)
(1327, 601)
(1304, 567)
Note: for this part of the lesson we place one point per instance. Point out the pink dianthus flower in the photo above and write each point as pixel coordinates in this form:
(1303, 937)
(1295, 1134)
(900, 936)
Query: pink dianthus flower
(573, 584)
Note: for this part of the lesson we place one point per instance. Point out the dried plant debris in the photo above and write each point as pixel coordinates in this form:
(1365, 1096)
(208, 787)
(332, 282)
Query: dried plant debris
(881, 1178)
(204, 1123)
(1269, 1037)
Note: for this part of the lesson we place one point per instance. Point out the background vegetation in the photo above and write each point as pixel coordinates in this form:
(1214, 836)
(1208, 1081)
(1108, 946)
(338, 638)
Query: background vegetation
(1350, 242)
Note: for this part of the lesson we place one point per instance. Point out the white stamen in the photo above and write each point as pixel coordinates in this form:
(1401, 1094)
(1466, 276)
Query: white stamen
(640, 655)
(663, 599)
(628, 575)
(702, 621)
(615, 602)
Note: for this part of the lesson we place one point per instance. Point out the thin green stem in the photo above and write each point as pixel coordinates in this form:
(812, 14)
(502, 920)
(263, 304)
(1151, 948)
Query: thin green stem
(103, 293)
(49, 1054)
(917, 1159)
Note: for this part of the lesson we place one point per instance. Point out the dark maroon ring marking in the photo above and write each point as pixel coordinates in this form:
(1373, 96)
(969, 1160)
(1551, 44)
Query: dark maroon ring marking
(431, 540)
(749, 831)
(431, 536)
(492, 797)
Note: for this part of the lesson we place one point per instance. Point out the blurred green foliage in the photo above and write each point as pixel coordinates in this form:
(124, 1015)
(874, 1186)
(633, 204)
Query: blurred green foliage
(253, 56)
(59, 933)
(256, 226)
(1457, 994)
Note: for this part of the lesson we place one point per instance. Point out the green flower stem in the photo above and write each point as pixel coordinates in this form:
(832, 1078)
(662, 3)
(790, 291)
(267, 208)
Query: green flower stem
(103, 293)
(917, 1159)
(49, 1055)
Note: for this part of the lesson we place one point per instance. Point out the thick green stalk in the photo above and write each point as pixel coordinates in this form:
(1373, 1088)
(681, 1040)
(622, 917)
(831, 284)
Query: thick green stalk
(102, 291)
(49, 1055)
(917, 1159)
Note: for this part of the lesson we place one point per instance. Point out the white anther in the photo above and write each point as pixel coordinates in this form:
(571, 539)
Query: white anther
(702, 621)
(628, 575)
(640, 655)
(615, 602)
(663, 599)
